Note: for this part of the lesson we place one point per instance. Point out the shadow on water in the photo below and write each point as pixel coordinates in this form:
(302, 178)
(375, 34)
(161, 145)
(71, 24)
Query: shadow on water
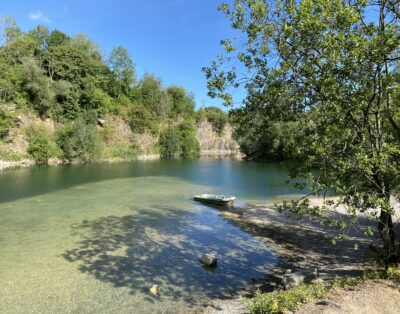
(305, 243)
(163, 247)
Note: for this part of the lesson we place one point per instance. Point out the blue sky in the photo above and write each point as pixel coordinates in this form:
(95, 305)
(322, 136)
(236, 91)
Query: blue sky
(172, 38)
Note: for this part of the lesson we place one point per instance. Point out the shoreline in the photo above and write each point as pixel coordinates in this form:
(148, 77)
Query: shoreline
(300, 245)
(25, 163)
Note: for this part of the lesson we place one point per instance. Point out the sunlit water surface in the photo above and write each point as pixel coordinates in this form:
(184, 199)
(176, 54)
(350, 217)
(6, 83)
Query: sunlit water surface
(94, 238)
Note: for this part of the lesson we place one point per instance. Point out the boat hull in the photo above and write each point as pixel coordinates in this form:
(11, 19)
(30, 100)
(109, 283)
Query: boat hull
(214, 201)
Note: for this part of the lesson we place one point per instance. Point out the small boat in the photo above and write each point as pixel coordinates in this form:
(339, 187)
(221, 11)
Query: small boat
(221, 200)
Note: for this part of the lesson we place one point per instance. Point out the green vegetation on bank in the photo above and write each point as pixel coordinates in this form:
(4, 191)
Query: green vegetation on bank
(6, 123)
(283, 301)
(180, 141)
(71, 82)
(215, 116)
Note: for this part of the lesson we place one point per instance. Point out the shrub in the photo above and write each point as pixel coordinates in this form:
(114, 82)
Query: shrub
(6, 123)
(284, 301)
(180, 141)
(41, 145)
(190, 147)
(79, 141)
(139, 118)
(215, 116)
(169, 143)
(182, 102)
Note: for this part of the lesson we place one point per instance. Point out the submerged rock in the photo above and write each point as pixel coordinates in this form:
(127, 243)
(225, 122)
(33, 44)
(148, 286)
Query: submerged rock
(155, 290)
(209, 260)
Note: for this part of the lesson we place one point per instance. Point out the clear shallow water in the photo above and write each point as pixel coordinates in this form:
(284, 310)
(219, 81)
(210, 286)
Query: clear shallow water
(94, 238)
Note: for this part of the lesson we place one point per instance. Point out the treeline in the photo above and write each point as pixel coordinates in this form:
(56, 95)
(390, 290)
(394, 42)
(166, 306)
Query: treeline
(69, 80)
(263, 139)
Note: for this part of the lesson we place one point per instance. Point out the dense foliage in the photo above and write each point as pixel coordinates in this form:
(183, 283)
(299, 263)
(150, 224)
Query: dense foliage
(79, 141)
(180, 141)
(41, 145)
(216, 116)
(69, 80)
(322, 92)
(6, 122)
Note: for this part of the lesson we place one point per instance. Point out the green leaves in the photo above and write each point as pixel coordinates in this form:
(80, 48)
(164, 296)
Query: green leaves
(180, 141)
(79, 141)
(318, 97)
(7, 121)
(42, 146)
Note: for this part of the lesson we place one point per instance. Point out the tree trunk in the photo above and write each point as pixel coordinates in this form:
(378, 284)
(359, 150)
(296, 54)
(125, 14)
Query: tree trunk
(388, 236)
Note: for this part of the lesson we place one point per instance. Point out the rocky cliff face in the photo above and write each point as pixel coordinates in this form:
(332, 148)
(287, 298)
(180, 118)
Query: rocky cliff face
(213, 143)
(116, 135)
(15, 145)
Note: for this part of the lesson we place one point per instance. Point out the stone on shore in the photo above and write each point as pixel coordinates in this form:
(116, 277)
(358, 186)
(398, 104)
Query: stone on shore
(292, 279)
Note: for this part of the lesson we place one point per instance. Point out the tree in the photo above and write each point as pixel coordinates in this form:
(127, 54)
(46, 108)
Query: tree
(180, 141)
(169, 143)
(57, 38)
(10, 80)
(153, 96)
(38, 87)
(190, 147)
(79, 141)
(123, 67)
(215, 116)
(182, 102)
(331, 66)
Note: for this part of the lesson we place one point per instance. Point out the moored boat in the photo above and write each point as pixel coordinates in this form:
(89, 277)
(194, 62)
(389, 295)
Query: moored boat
(221, 200)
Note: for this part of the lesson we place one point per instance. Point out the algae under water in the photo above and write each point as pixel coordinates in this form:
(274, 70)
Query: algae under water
(94, 238)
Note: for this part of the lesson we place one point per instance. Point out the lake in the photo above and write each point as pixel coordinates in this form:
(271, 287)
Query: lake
(94, 238)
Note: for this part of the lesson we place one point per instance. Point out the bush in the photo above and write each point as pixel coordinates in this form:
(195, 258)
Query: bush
(215, 116)
(41, 146)
(139, 119)
(284, 301)
(190, 147)
(79, 141)
(169, 143)
(180, 141)
(6, 123)
(182, 102)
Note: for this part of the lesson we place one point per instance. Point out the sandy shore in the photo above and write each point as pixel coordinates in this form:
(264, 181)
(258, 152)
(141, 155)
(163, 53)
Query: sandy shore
(300, 244)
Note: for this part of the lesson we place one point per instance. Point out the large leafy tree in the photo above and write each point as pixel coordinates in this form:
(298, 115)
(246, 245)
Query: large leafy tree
(330, 67)
(123, 68)
(182, 102)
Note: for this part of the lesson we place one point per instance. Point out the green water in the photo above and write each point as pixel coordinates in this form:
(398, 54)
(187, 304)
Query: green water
(94, 238)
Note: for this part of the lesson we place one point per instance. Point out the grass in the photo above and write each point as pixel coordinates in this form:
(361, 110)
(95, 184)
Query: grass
(282, 301)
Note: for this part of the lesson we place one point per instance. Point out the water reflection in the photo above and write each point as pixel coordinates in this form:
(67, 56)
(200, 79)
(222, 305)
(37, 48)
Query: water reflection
(244, 179)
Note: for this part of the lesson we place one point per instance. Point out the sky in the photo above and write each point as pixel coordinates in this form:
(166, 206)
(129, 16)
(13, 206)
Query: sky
(173, 39)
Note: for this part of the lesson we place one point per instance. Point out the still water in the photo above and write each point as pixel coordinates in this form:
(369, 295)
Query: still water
(94, 238)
